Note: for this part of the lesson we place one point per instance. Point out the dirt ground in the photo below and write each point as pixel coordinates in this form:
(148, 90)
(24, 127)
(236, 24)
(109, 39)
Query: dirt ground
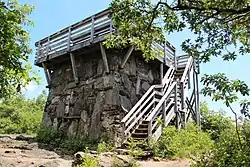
(16, 153)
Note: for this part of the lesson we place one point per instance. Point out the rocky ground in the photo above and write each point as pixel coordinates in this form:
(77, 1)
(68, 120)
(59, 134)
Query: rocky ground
(21, 153)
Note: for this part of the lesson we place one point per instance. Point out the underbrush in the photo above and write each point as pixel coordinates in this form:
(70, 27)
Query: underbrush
(67, 144)
(188, 143)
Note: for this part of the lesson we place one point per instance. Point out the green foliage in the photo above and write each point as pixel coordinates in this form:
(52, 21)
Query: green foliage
(227, 152)
(220, 28)
(104, 147)
(133, 147)
(21, 116)
(67, 144)
(214, 122)
(217, 24)
(14, 49)
(184, 143)
(88, 161)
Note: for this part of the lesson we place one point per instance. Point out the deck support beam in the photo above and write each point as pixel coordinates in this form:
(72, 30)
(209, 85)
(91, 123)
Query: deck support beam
(47, 73)
(130, 50)
(104, 58)
(73, 63)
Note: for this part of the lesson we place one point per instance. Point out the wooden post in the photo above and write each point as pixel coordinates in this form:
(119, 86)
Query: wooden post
(92, 28)
(47, 73)
(69, 39)
(197, 99)
(111, 25)
(176, 105)
(189, 82)
(165, 52)
(104, 58)
(182, 94)
(73, 63)
(39, 50)
(47, 48)
(130, 50)
(195, 95)
(149, 129)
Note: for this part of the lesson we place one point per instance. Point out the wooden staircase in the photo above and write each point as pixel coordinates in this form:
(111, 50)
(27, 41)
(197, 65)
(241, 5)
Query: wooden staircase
(161, 104)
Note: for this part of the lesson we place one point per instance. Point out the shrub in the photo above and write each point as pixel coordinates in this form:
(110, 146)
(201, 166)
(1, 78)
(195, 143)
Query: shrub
(88, 161)
(21, 116)
(67, 144)
(184, 143)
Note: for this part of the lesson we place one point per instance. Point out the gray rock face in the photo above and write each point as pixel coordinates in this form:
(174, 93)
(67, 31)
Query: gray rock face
(93, 107)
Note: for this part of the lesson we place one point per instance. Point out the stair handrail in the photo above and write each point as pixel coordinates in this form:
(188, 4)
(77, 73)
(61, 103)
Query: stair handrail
(186, 76)
(135, 114)
(158, 106)
(137, 105)
(188, 66)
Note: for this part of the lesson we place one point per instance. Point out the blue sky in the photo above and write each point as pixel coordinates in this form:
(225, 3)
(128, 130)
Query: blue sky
(50, 16)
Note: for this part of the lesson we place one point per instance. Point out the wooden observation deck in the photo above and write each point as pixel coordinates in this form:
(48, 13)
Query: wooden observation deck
(81, 35)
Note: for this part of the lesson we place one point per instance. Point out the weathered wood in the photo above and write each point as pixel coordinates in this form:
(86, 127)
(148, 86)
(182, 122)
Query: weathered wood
(48, 47)
(47, 73)
(104, 58)
(92, 28)
(125, 59)
(195, 95)
(138, 84)
(197, 99)
(69, 39)
(138, 104)
(73, 64)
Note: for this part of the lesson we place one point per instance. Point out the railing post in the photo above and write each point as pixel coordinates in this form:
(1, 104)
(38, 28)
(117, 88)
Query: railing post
(189, 83)
(195, 82)
(47, 48)
(39, 50)
(182, 95)
(69, 39)
(176, 105)
(92, 28)
(150, 129)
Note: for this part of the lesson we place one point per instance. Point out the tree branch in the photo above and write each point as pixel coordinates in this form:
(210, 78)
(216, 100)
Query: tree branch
(236, 126)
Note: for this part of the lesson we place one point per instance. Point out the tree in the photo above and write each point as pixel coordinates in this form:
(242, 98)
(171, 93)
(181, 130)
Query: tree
(220, 27)
(21, 115)
(14, 47)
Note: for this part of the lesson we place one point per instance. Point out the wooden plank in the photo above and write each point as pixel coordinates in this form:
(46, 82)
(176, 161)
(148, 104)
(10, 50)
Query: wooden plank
(73, 63)
(104, 58)
(47, 74)
(138, 104)
(125, 59)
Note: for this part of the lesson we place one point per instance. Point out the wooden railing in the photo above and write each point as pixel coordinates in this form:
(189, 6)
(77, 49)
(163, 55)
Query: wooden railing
(145, 105)
(90, 30)
(154, 131)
